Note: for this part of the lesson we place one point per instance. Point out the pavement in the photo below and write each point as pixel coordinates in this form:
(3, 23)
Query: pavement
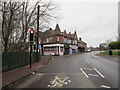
(17, 74)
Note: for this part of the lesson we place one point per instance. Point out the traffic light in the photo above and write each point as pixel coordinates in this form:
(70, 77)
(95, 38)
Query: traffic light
(31, 39)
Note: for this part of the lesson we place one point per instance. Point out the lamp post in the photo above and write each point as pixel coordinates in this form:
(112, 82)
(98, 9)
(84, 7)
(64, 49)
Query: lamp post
(37, 34)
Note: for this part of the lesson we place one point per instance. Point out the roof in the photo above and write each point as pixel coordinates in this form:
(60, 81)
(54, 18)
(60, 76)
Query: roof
(57, 27)
(81, 42)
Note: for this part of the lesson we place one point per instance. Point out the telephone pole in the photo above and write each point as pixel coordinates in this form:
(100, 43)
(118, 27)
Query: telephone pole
(37, 35)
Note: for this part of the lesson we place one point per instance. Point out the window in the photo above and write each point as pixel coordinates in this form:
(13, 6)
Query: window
(50, 39)
(52, 48)
(75, 41)
(49, 49)
(64, 39)
(58, 38)
(47, 40)
(61, 48)
(44, 48)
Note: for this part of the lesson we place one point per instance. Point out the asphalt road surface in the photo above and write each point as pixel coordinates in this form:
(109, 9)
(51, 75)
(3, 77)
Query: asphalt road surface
(84, 70)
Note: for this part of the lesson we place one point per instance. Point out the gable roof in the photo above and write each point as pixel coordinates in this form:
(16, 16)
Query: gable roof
(57, 28)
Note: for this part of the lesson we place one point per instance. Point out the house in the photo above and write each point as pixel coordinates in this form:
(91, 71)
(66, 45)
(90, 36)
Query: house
(53, 42)
(56, 42)
(82, 46)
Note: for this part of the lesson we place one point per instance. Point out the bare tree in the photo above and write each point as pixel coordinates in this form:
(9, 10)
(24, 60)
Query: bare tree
(29, 16)
(18, 17)
(9, 22)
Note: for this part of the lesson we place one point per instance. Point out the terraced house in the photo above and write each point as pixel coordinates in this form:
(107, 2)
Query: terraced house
(56, 42)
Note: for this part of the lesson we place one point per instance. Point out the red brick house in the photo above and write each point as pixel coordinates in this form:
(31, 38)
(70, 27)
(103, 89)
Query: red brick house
(82, 46)
(56, 42)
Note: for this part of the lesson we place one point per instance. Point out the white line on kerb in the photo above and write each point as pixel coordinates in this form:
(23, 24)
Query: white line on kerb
(99, 73)
(84, 73)
(103, 86)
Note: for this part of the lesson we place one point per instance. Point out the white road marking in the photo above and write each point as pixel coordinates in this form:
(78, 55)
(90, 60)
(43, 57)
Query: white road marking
(56, 84)
(84, 73)
(88, 68)
(103, 86)
(59, 81)
(99, 73)
(93, 75)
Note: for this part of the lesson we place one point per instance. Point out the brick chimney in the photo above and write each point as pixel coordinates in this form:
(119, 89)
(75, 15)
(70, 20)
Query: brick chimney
(64, 31)
(69, 32)
(75, 33)
(80, 39)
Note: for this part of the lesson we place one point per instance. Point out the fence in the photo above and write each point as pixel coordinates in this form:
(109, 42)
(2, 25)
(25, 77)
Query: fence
(13, 60)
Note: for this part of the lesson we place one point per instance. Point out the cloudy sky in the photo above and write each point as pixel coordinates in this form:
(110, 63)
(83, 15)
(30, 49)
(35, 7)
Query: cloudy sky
(96, 21)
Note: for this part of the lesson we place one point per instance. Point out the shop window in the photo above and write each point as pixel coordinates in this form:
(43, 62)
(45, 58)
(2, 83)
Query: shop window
(61, 48)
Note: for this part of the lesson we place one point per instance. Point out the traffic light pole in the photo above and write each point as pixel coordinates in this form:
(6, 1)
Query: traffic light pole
(31, 41)
(30, 55)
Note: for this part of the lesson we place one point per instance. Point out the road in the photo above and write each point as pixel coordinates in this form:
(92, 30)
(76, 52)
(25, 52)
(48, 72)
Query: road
(84, 70)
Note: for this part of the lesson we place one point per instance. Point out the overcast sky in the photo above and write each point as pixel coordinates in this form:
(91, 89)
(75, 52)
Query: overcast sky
(95, 21)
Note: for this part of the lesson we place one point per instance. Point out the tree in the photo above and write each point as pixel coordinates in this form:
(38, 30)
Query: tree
(18, 17)
(29, 16)
(114, 45)
(10, 20)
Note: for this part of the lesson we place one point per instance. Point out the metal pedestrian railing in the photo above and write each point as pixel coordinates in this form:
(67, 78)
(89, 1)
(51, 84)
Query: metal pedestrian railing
(13, 60)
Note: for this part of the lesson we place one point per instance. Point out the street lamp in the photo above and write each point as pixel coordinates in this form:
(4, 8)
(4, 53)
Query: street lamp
(37, 37)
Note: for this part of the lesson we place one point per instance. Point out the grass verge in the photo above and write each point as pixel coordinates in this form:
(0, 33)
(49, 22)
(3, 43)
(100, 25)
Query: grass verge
(114, 52)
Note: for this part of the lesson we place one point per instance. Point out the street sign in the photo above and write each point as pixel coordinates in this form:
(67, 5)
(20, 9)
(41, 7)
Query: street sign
(39, 46)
